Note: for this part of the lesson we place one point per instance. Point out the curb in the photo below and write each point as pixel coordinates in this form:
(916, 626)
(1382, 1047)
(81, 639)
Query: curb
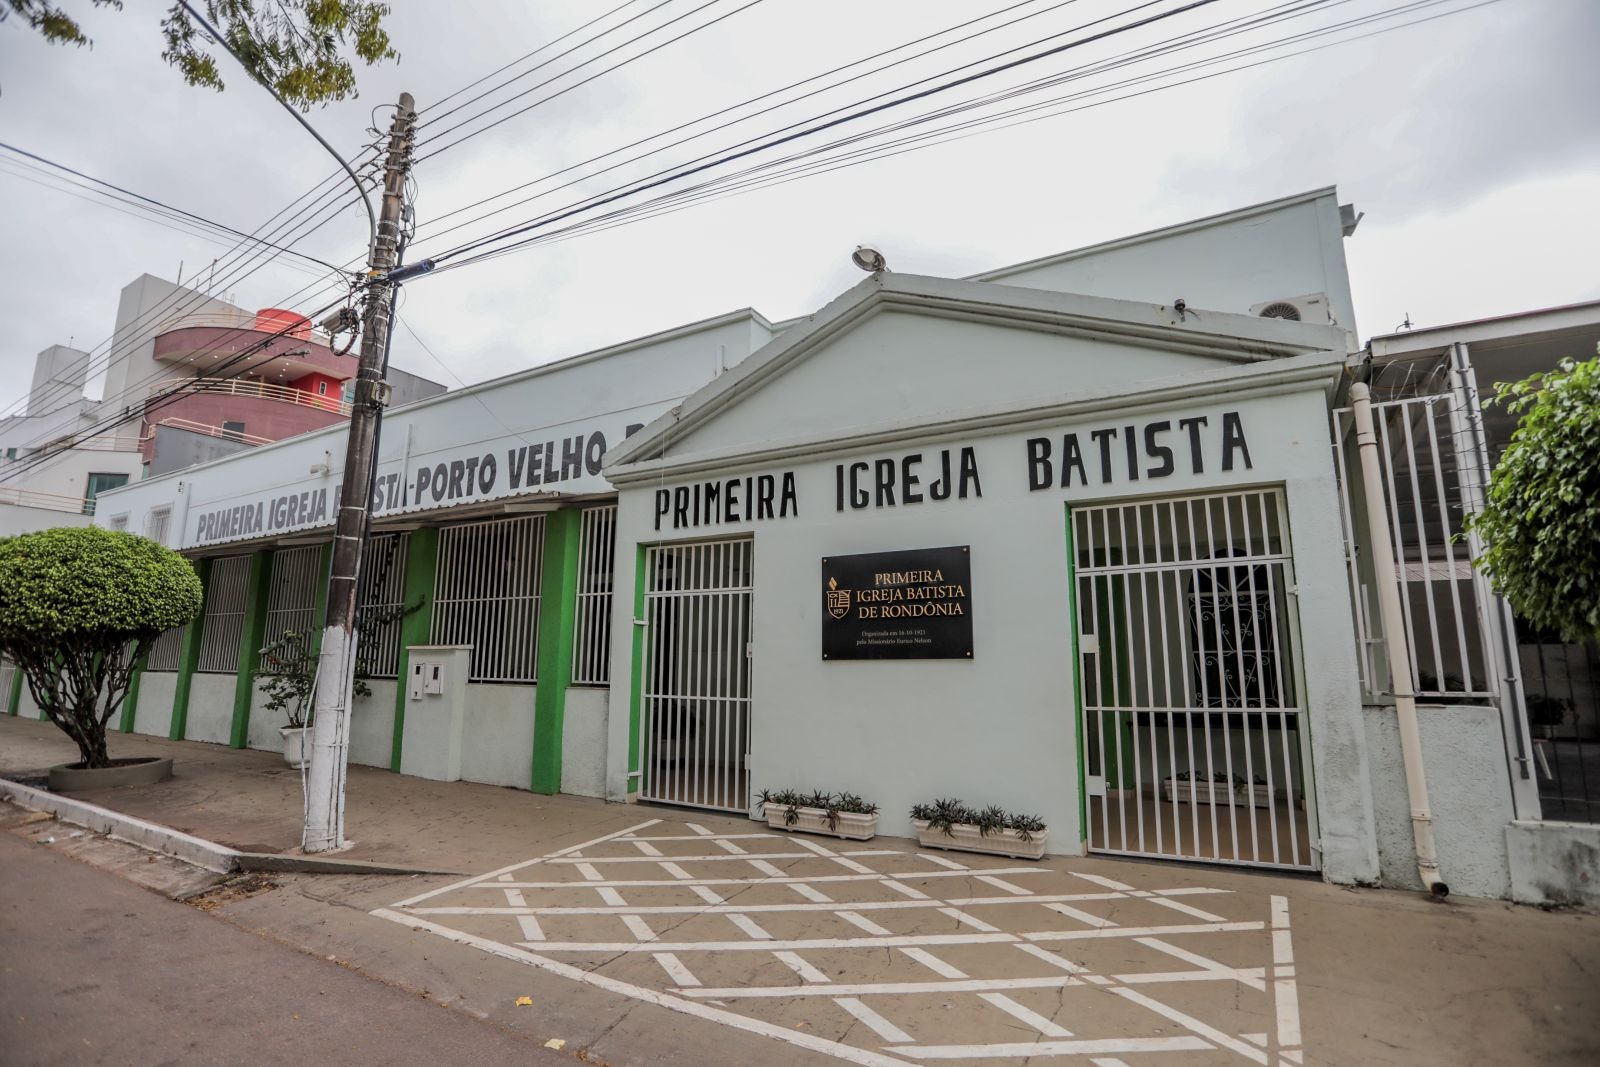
(194, 850)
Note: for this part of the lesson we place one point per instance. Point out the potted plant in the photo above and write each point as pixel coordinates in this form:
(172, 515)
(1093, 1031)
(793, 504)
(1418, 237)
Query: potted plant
(1547, 713)
(287, 677)
(951, 824)
(79, 609)
(843, 815)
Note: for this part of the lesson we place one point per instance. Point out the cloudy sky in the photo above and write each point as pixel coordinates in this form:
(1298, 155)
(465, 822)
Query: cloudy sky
(1471, 142)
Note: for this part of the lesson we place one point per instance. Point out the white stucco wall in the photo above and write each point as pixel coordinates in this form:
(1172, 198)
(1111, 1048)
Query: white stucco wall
(372, 725)
(497, 735)
(600, 392)
(1001, 728)
(583, 742)
(1231, 262)
(153, 714)
(210, 708)
(264, 725)
(1464, 760)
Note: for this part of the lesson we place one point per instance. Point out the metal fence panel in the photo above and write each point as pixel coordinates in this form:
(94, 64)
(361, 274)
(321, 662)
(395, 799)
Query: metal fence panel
(165, 650)
(1191, 708)
(292, 593)
(486, 594)
(696, 682)
(591, 639)
(222, 627)
(382, 600)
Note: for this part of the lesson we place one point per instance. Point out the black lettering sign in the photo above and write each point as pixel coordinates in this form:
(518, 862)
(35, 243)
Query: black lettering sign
(910, 604)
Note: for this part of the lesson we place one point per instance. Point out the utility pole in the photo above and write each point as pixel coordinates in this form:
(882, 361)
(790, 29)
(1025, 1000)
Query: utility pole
(325, 780)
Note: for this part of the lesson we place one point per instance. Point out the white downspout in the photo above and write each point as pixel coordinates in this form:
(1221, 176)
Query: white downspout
(1399, 653)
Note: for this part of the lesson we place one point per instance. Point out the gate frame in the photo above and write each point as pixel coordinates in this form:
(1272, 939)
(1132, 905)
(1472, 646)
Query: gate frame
(640, 666)
(1293, 655)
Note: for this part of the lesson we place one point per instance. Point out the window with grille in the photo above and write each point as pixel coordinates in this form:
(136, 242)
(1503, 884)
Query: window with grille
(119, 522)
(292, 593)
(486, 594)
(155, 524)
(222, 627)
(165, 649)
(383, 607)
(591, 639)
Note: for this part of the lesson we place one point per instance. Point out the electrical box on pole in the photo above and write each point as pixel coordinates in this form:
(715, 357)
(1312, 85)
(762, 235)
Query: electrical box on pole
(330, 731)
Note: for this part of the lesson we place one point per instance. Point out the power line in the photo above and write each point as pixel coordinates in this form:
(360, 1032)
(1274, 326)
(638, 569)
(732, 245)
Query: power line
(562, 92)
(746, 118)
(546, 63)
(728, 157)
(157, 203)
(524, 56)
(687, 198)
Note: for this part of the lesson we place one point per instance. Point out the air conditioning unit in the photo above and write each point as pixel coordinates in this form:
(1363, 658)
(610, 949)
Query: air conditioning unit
(1313, 307)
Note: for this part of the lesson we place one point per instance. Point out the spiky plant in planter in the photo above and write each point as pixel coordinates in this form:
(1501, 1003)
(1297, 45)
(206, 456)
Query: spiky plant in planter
(949, 823)
(821, 812)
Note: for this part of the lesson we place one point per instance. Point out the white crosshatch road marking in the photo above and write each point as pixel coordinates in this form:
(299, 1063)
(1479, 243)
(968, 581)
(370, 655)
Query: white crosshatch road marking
(887, 959)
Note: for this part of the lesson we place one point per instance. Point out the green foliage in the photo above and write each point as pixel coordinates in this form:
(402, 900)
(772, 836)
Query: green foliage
(79, 607)
(947, 813)
(298, 47)
(1541, 520)
(287, 677)
(830, 804)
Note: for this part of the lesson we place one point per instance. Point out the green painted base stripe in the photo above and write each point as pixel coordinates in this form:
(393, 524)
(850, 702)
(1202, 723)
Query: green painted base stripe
(189, 659)
(636, 679)
(251, 636)
(1077, 684)
(130, 699)
(416, 626)
(558, 602)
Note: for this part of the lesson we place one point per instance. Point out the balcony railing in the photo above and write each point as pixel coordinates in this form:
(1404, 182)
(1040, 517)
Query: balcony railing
(33, 498)
(208, 430)
(260, 390)
(241, 320)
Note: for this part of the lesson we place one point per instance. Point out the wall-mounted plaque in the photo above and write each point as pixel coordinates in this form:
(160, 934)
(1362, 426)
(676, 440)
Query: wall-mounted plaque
(911, 604)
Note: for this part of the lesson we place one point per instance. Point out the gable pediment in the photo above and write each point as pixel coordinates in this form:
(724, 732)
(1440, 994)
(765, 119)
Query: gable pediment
(903, 350)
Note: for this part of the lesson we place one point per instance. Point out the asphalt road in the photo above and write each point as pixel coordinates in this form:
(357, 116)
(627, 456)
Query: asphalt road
(96, 970)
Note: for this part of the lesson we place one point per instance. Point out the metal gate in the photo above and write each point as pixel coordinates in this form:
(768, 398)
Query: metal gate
(696, 681)
(1191, 717)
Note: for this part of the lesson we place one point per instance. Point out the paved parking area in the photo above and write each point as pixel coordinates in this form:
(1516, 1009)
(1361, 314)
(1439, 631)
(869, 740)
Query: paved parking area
(884, 956)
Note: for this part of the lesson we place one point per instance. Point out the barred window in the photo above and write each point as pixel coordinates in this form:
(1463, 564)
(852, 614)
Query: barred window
(597, 554)
(222, 627)
(165, 650)
(383, 607)
(486, 594)
(119, 522)
(292, 593)
(155, 524)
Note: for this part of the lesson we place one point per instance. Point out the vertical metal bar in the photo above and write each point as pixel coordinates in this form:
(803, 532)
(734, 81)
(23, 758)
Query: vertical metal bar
(1386, 457)
(1407, 418)
(1239, 660)
(1448, 533)
(1118, 696)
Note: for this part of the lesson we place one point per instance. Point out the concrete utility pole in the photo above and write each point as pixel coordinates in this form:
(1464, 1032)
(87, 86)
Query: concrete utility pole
(325, 779)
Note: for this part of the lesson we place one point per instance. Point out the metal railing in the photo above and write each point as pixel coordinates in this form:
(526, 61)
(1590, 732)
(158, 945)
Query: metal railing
(222, 625)
(33, 498)
(256, 389)
(591, 638)
(486, 594)
(239, 320)
(208, 430)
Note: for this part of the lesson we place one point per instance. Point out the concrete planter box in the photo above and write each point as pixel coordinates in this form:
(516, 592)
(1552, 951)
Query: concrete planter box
(74, 778)
(296, 745)
(964, 837)
(850, 826)
(1176, 791)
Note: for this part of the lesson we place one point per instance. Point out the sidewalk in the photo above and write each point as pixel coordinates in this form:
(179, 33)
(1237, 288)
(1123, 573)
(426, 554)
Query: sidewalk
(652, 936)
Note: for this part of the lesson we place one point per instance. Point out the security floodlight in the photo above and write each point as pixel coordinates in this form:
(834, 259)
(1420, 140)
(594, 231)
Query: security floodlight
(869, 259)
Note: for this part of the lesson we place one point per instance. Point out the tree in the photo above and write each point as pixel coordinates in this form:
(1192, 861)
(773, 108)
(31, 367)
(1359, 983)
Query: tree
(79, 607)
(295, 46)
(1541, 519)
